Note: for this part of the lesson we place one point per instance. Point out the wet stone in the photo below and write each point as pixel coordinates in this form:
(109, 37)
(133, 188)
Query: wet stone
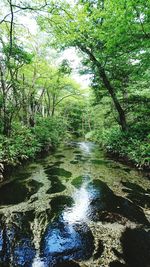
(24, 253)
(77, 152)
(16, 240)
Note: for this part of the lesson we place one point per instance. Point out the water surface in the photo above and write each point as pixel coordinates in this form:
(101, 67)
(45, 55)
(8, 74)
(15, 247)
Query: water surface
(75, 208)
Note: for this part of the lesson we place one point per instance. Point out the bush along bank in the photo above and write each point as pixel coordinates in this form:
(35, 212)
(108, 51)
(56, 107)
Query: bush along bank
(26, 142)
(133, 146)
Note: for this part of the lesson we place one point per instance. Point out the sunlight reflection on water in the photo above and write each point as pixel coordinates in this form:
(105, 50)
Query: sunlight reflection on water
(78, 212)
(85, 147)
(38, 262)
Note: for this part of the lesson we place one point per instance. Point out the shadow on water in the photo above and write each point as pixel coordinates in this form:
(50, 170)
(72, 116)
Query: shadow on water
(56, 185)
(52, 170)
(18, 191)
(99, 250)
(54, 173)
(59, 156)
(57, 164)
(137, 194)
(74, 162)
(106, 206)
(136, 249)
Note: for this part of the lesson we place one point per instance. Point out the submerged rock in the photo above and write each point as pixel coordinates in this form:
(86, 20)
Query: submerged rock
(16, 246)
(56, 185)
(63, 241)
(106, 206)
(52, 170)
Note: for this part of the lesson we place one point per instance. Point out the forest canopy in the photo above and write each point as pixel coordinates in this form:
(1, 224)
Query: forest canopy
(41, 103)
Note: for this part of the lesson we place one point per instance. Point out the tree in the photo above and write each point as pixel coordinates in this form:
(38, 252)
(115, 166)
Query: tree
(109, 34)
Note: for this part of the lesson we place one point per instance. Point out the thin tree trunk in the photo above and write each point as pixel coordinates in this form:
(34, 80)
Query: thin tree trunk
(108, 86)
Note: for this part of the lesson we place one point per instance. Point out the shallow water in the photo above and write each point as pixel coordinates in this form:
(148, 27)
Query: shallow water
(75, 208)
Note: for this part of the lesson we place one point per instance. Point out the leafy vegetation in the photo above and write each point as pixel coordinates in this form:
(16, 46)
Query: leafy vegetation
(40, 102)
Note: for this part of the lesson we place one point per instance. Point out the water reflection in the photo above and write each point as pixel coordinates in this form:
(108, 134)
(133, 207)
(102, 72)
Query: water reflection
(96, 201)
(38, 262)
(55, 232)
(63, 241)
(86, 147)
(79, 211)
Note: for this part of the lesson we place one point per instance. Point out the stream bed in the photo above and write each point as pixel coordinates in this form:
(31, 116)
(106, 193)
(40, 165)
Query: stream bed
(75, 208)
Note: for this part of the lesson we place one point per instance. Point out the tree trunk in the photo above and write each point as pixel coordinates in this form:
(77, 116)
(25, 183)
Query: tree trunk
(53, 105)
(121, 113)
(108, 86)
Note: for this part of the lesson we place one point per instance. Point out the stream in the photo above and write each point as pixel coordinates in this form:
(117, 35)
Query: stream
(75, 207)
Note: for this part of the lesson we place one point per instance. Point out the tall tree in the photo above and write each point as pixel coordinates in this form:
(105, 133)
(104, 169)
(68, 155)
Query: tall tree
(109, 34)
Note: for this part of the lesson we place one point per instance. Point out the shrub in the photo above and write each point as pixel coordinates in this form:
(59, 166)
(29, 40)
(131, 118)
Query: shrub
(26, 142)
(50, 131)
(132, 144)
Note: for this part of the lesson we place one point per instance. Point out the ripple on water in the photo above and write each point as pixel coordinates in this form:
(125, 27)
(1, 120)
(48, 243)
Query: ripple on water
(16, 241)
(63, 241)
(60, 233)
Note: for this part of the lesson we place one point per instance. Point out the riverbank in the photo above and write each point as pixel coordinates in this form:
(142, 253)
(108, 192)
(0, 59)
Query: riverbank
(27, 143)
(131, 147)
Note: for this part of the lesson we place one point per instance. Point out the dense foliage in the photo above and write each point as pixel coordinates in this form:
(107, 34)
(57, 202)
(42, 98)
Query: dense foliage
(113, 37)
(39, 101)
